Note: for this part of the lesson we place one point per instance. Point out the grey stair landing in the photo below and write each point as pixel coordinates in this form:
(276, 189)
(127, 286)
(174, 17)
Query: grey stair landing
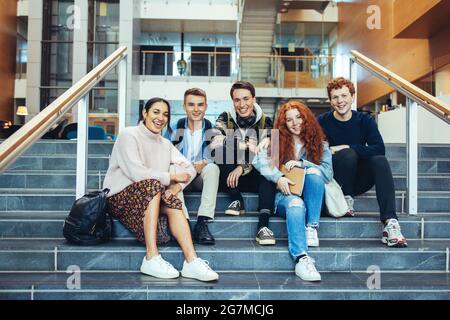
(231, 285)
(37, 191)
(226, 255)
(48, 225)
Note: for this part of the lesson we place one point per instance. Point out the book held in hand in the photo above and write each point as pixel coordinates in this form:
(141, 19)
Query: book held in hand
(296, 175)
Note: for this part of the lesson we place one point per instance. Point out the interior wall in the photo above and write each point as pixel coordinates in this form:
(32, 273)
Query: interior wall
(8, 38)
(409, 58)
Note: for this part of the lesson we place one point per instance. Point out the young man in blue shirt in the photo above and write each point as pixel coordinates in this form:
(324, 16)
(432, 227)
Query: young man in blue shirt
(359, 160)
(190, 137)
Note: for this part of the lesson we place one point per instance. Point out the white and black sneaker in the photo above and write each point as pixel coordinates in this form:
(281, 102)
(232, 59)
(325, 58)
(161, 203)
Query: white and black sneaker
(392, 234)
(265, 237)
(350, 202)
(235, 208)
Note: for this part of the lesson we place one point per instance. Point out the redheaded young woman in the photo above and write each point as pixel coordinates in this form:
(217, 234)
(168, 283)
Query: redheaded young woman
(301, 144)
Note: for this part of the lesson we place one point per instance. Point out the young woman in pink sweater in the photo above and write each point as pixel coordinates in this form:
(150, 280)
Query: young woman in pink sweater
(142, 188)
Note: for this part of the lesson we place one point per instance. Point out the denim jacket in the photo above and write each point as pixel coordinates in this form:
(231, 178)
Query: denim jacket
(262, 163)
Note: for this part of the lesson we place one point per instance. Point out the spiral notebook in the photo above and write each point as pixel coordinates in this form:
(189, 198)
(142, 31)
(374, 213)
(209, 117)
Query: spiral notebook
(296, 175)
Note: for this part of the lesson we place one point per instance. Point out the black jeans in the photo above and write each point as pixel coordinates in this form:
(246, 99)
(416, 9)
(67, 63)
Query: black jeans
(252, 182)
(357, 176)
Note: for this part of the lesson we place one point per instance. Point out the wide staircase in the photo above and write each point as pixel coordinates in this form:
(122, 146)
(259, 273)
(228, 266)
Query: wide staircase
(36, 262)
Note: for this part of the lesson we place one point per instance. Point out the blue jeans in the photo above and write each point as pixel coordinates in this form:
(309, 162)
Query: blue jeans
(300, 212)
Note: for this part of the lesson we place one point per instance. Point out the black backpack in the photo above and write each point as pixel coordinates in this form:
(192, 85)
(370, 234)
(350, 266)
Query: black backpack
(88, 222)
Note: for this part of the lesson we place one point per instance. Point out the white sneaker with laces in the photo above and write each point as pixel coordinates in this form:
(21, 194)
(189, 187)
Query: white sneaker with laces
(306, 270)
(159, 268)
(199, 269)
(312, 238)
(392, 234)
(350, 203)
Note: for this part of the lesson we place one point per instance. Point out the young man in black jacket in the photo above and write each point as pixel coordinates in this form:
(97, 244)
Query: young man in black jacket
(359, 160)
(240, 133)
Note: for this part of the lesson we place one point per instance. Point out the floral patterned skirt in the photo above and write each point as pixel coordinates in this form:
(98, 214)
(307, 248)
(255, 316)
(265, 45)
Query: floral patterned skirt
(129, 206)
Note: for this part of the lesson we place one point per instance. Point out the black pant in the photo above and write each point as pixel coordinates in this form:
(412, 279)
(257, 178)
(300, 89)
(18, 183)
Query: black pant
(357, 176)
(253, 182)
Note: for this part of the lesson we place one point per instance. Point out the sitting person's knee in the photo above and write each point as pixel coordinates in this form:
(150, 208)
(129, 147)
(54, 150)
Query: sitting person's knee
(379, 161)
(348, 154)
(346, 158)
(212, 168)
(294, 201)
(313, 171)
(153, 184)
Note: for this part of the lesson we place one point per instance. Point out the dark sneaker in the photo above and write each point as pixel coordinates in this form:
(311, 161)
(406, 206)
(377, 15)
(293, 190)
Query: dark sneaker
(202, 235)
(392, 235)
(265, 237)
(235, 208)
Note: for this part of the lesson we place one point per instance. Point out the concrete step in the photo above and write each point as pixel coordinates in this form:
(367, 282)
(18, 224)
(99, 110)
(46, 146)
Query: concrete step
(231, 286)
(226, 255)
(256, 50)
(49, 225)
(246, 38)
(67, 180)
(58, 162)
(95, 163)
(66, 147)
(255, 32)
(62, 200)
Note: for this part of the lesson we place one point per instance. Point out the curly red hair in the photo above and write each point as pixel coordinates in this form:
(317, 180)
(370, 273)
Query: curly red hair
(311, 134)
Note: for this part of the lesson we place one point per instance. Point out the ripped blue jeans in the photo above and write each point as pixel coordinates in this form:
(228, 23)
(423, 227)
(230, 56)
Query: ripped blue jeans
(301, 212)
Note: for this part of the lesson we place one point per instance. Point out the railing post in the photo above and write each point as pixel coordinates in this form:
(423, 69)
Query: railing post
(209, 65)
(412, 155)
(82, 147)
(165, 63)
(122, 94)
(354, 79)
(215, 65)
(143, 64)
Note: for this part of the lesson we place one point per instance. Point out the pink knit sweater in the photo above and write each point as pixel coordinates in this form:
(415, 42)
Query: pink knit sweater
(140, 154)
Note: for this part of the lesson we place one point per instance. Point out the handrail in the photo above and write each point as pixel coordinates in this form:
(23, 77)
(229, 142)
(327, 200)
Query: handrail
(284, 56)
(191, 52)
(429, 102)
(255, 55)
(22, 139)
(415, 97)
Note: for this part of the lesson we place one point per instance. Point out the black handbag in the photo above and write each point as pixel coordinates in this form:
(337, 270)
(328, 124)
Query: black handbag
(89, 222)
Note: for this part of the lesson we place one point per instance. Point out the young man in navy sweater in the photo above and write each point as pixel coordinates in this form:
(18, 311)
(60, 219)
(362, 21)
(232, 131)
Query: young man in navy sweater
(359, 160)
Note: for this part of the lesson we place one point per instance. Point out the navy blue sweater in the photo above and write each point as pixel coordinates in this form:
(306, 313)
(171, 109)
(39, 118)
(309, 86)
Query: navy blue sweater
(360, 133)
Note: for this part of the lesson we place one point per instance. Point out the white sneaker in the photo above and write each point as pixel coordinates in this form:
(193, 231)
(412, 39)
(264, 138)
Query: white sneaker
(159, 268)
(350, 203)
(311, 237)
(392, 234)
(198, 269)
(306, 270)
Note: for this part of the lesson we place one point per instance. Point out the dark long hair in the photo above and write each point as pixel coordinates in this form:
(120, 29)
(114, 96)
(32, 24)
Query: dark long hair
(149, 105)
